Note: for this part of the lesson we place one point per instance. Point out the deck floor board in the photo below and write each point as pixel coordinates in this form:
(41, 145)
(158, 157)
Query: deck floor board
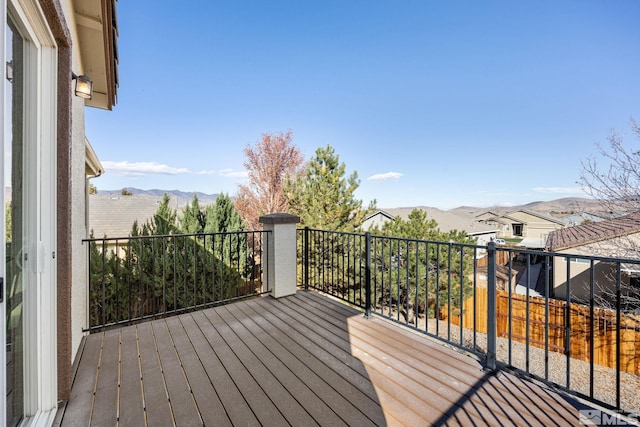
(301, 360)
(131, 409)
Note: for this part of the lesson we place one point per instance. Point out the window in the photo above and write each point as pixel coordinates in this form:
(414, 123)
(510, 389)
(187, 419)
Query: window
(577, 260)
(517, 229)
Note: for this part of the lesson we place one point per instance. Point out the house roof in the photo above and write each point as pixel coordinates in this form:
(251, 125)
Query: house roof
(93, 167)
(593, 232)
(578, 218)
(379, 212)
(540, 215)
(532, 243)
(113, 216)
(448, 221)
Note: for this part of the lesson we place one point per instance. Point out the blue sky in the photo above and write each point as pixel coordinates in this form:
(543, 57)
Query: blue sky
(433, 103)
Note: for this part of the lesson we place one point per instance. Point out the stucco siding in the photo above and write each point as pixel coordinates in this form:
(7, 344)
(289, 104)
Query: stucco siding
(604, 273)
(78, 227)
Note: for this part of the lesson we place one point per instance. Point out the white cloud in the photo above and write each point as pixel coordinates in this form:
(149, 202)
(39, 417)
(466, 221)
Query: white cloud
(388, 176)
(227, 173)
(234, 174)
(141, 169)
(559, 190)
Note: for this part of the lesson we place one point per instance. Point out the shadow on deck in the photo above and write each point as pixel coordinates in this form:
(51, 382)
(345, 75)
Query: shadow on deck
(300, 360)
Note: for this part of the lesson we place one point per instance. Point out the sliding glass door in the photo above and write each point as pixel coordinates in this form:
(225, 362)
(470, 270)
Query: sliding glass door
(16, 231)
(28, 322)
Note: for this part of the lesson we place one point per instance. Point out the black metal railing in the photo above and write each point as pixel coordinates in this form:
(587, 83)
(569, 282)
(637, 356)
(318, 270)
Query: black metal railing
(569, 320)
(142, 277)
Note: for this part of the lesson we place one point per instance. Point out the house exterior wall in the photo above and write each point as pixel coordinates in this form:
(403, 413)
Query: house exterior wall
(78, 227)
(604, 273)
(55, 16)
(532, 226)
(71, 203)
(484, 238)
(70, 147)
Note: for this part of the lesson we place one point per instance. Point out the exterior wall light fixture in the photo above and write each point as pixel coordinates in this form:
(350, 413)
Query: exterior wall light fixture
(83, 87)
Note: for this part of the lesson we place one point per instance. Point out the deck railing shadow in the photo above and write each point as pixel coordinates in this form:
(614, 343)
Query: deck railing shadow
(451, 291)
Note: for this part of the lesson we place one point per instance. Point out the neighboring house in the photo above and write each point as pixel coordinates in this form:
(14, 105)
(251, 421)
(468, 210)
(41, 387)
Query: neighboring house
(581, 218)
(114, 216)
(447, 221)
(618, 237)
(376, 219)
(50, 47)
(532, 227)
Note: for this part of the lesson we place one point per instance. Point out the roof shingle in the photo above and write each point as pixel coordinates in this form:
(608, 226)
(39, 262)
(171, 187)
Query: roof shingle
(593, 232)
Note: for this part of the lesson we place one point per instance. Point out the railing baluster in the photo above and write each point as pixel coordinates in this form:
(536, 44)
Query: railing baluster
(618, 320)
(491, 305)
(568, 324)
(305, 265)
(510, 309)
(416, 302)
(527, 313)
(437, 290)
(461, 302)
(367, 275)
(546, 318)
(591, 327)
(426, 289)
(475, 296)
(449, 291)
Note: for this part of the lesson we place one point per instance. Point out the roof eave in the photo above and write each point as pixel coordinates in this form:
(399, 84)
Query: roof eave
(93, 167)
(98, 35)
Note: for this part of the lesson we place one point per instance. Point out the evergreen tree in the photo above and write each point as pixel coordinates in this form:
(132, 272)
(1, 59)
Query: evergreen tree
(222, 217)
(323, 197)
(192, 220)
(403, 266)
(164, 220)
(417, 226)
(7, 221)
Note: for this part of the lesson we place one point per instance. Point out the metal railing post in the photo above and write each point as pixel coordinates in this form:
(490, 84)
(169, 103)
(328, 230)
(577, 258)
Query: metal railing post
(305, 262)
(367, 275)
(491, 305)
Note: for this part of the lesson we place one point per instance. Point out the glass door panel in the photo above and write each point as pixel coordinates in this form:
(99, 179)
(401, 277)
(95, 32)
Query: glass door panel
(15, 230)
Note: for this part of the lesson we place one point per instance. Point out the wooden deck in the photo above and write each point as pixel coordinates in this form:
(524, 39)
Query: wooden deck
(301, 360)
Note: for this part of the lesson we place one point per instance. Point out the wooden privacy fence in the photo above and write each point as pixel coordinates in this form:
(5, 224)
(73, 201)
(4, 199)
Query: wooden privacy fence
(604, 327)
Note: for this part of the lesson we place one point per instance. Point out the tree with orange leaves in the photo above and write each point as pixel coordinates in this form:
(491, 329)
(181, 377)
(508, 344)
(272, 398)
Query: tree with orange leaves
(269, 162)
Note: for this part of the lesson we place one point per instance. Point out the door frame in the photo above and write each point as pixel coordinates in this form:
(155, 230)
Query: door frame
(40, 332)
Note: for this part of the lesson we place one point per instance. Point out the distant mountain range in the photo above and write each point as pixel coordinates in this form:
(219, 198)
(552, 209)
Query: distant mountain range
(560, 207)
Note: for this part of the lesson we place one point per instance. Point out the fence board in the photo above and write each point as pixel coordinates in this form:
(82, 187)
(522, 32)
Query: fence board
(604, 334)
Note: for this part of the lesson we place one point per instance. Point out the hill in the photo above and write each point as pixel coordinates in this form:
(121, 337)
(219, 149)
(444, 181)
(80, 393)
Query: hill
(558, 207)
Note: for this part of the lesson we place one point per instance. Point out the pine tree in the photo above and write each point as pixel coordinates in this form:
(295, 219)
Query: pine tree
(222, 216)
(417, 226)
(164, 220)
(7, 221)
(323, 197)
(192, 220)
(404, 265)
